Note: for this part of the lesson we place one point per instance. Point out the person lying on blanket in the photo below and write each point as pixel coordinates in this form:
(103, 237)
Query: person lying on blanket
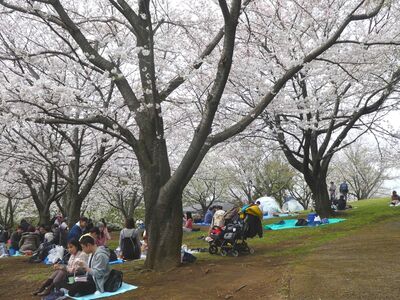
(61, 272)
(97, 270)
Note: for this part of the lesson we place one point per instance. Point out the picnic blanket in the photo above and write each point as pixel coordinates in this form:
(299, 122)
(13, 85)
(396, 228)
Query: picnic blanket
(124, 288)
(202, 224)
(288, 224)
(116, 262)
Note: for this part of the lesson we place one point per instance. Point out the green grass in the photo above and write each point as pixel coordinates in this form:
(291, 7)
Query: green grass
(296, 242)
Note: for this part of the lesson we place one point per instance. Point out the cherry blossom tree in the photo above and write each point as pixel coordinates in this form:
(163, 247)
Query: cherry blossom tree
(171, 66)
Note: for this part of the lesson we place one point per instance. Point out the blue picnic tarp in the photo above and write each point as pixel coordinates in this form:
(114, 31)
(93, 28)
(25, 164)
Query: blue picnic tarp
(289, 224)
(124, 288)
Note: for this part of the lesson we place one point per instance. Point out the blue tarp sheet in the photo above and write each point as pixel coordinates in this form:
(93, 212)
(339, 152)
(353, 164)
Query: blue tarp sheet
(288, 224)
(124, 288)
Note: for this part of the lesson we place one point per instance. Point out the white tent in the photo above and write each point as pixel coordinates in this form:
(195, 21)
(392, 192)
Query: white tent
(269, 205)
(292, 206)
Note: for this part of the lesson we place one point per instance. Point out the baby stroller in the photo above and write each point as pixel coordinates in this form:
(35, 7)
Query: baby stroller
(240, 224)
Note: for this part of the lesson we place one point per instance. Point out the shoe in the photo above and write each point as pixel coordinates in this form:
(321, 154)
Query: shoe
(42, 287)
(46, 291)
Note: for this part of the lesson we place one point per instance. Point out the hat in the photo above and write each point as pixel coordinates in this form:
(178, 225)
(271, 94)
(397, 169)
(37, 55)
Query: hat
(100, 224)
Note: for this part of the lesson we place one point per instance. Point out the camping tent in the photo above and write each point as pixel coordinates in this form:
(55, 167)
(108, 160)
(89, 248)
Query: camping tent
(292, 206)
(269, 205)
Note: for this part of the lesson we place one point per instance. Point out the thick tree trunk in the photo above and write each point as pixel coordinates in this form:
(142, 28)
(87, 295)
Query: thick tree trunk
(73, 213)
(164, 229)
(320, 195)
(44, 216)
(322, 202)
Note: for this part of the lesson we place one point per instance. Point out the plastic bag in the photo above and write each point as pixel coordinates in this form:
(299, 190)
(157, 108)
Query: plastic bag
(56, 254)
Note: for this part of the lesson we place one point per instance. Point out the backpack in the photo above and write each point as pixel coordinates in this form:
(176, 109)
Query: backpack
(188, 257)
(301, 222)
(129, 248)
(113, 255)
(344, 187)
(114, 281)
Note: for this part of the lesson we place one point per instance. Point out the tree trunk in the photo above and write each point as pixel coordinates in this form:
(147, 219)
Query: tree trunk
(164, 229)
(320, 195)
(44, 216)
(73, 212)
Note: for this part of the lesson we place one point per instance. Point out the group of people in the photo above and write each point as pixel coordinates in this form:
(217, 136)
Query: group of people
(27, 238)
(339, 203)
(87, 268)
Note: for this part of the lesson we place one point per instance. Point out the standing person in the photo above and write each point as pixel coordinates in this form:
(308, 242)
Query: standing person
(344, 189)
(209, 215)
(97, 269)
(129, 242)
(78, 229)
(59, 276)
(332, 192)
(260, 206)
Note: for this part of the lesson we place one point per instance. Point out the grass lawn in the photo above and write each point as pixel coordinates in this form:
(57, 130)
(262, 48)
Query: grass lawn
(371, 223)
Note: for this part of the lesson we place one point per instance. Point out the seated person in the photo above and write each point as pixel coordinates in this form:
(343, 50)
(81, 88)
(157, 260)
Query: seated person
(395, 199)
(129, 242)
(103, 236)
(61, 272)
(49, 235)
(30, 240)
(78, 229)
(145, 246)
(218, 218)
(41, 230)
(3, 241)
(16, 237)
(97, 269)
(60, 234)
(188, 222)
(209, 215)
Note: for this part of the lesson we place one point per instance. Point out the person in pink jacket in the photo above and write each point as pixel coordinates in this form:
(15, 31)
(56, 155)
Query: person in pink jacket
(61, 272)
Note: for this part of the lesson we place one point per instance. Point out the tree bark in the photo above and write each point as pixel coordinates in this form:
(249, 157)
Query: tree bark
(44, 216)
(320, 195)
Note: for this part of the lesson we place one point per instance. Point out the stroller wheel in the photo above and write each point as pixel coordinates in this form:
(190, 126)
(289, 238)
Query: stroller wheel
(251, 250)
(224, 252)
(213, 249)
(235, 253)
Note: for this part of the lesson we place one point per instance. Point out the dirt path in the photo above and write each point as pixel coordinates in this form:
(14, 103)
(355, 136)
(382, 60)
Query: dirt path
(361, 266)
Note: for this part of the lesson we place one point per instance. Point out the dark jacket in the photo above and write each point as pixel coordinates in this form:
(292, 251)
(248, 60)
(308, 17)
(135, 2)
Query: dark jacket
(29, 241)
(60, 237)
(3, 236)
(254, 226)
(15, 238)
(75, 233)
